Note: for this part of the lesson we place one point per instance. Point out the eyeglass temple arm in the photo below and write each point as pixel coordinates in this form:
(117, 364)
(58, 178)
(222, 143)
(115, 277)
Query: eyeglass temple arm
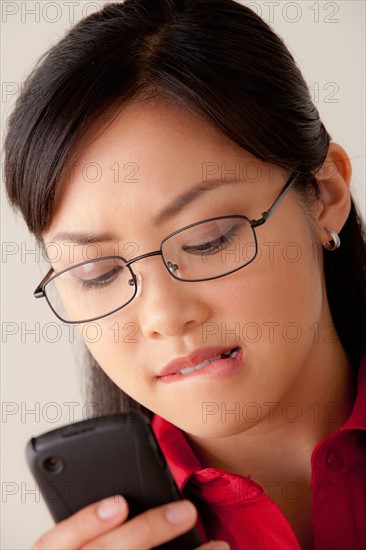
(269, 212)
(39, 292)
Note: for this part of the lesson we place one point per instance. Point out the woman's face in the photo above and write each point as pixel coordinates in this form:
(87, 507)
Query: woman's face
(148, 157)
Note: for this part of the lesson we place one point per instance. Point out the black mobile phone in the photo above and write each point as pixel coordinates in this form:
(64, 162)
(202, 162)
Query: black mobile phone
(83, 462)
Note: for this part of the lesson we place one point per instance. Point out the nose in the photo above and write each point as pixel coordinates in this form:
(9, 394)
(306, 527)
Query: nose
(167, 307)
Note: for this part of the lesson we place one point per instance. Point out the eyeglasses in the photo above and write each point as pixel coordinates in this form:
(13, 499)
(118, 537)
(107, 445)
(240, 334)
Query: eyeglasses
(202, 251)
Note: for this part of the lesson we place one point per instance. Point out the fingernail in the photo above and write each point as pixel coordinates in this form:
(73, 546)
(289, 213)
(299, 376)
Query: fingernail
(111, 507)
(218, 545)
(180, 512)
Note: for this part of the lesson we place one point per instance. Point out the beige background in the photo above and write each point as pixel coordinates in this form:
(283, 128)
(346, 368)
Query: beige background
(41, 378)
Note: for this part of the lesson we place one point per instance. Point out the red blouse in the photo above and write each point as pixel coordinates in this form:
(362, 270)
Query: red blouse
(236, 509)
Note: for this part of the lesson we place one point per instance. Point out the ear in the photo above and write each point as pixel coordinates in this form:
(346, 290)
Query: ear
(334, 179)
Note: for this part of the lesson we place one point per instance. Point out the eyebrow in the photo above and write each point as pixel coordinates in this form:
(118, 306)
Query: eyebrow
(79, 237)
(167, 213)
(188, 197)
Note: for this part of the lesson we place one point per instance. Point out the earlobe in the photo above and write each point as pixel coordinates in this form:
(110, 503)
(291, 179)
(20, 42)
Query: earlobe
(334, 182)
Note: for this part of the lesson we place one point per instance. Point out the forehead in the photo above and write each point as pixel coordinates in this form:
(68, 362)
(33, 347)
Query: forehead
(152, 128)
(149, 149)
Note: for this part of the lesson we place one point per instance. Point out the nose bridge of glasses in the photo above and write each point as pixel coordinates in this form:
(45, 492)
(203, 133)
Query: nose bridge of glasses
(171, 267)
(143, 256)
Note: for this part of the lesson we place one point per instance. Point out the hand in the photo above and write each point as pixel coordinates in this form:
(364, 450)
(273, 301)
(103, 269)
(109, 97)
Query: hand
(103, 525)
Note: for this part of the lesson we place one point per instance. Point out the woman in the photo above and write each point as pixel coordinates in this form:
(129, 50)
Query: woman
(219, 250)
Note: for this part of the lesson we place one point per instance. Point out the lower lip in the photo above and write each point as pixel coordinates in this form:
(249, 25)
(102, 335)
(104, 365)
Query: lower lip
(221, 368)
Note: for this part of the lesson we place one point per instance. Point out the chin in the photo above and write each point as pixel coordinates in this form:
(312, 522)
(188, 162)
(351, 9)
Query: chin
(212, 428)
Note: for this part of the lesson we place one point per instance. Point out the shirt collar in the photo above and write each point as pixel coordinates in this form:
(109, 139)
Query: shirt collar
(357, 418)
(178, 453)
(183, 462)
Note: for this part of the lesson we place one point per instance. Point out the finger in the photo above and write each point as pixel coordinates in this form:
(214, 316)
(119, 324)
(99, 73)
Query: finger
(85, 525)
(149, 529)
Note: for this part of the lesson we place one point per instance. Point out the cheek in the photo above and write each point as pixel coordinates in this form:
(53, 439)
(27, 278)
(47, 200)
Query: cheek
(115, 345)
(273, 305)
(283, 283)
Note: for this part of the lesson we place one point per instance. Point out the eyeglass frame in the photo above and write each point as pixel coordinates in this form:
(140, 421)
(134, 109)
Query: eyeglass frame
(41, 293)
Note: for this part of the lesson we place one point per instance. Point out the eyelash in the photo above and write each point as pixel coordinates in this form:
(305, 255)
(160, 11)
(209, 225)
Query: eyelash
(221, 241)
(91, 284)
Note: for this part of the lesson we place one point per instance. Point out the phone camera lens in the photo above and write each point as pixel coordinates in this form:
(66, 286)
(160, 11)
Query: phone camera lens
(53, 464)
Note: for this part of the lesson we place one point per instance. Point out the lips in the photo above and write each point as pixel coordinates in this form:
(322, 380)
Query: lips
(197, 360)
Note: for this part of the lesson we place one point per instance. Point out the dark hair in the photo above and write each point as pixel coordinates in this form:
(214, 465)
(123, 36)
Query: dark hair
(214, 57)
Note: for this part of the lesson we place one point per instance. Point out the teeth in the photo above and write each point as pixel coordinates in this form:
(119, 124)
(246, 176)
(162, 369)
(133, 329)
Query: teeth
(197, 367)
(231, 353)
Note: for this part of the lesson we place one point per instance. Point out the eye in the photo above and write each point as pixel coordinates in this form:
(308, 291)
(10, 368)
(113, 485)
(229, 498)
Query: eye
(92, 275)
(103, 280)
(214, 245)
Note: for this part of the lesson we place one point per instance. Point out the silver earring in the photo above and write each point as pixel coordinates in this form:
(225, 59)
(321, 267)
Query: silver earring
(334, 243)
